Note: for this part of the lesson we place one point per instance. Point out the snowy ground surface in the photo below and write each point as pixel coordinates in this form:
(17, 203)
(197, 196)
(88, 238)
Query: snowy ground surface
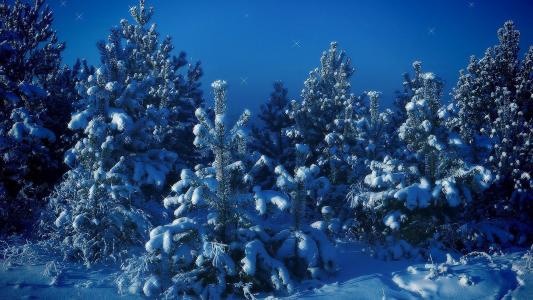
(476, 276)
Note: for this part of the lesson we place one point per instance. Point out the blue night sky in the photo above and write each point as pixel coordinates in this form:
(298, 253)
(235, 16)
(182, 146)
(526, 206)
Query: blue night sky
(252, 43)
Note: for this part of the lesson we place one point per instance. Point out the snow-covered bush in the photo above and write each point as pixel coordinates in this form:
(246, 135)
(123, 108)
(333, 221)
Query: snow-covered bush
(306, 249)
(133, 119)
(405, 199)
(284, 247)
(33, 111)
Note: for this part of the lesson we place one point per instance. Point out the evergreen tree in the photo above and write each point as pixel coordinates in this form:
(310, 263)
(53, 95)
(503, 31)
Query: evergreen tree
(492, 112)
(381, 131)
(132, 113)
(325, 94)
(220, 242)
(334, 123)
(270, 139)
(33, 106)
(410, 85)
(405, 199)
(198, 249)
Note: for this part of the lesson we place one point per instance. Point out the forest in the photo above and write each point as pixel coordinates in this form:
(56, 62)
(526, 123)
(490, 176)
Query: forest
(126, 166)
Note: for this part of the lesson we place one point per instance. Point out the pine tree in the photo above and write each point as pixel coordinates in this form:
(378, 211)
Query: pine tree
(410, 85)
(197, 249)
(380, 130)
(132, 113)
(325, 93)
(30, 144)
(220, 242)
(405, 198)
(334, 123)
(270, 139)
(493, 111)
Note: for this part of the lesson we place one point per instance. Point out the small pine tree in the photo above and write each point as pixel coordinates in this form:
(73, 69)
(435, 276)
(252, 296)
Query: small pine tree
(270, 139)
(410, 85)
(325, 93)
(334, 123)
(380, 132)
(198, 249)
(220, 242)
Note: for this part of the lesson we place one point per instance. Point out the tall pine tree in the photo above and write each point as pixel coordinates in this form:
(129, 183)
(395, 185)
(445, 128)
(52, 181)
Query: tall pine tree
(135, 116)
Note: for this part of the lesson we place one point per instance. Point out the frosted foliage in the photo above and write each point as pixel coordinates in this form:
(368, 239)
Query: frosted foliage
(417, 195)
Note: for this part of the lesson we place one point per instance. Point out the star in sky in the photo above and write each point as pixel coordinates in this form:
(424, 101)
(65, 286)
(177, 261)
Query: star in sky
(244, 80)
(471, 4)
(431, 31)
(296, 44)
(246, 15)
(63, 3)
(79, 16)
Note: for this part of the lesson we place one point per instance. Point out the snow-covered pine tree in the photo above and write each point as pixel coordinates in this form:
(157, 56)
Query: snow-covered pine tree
(195, 254)
(410, 85)
(325, 94)
(405, 199)
(492, 111)
(285, 248)
(306, 249)
(269, 138)
(220, 242)
(334, 123)
(30, 144)
(132, 112)
(380, 131)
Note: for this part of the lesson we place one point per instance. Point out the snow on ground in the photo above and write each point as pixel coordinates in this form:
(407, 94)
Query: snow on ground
(471, 277)
(476, 276)
(74, 282)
